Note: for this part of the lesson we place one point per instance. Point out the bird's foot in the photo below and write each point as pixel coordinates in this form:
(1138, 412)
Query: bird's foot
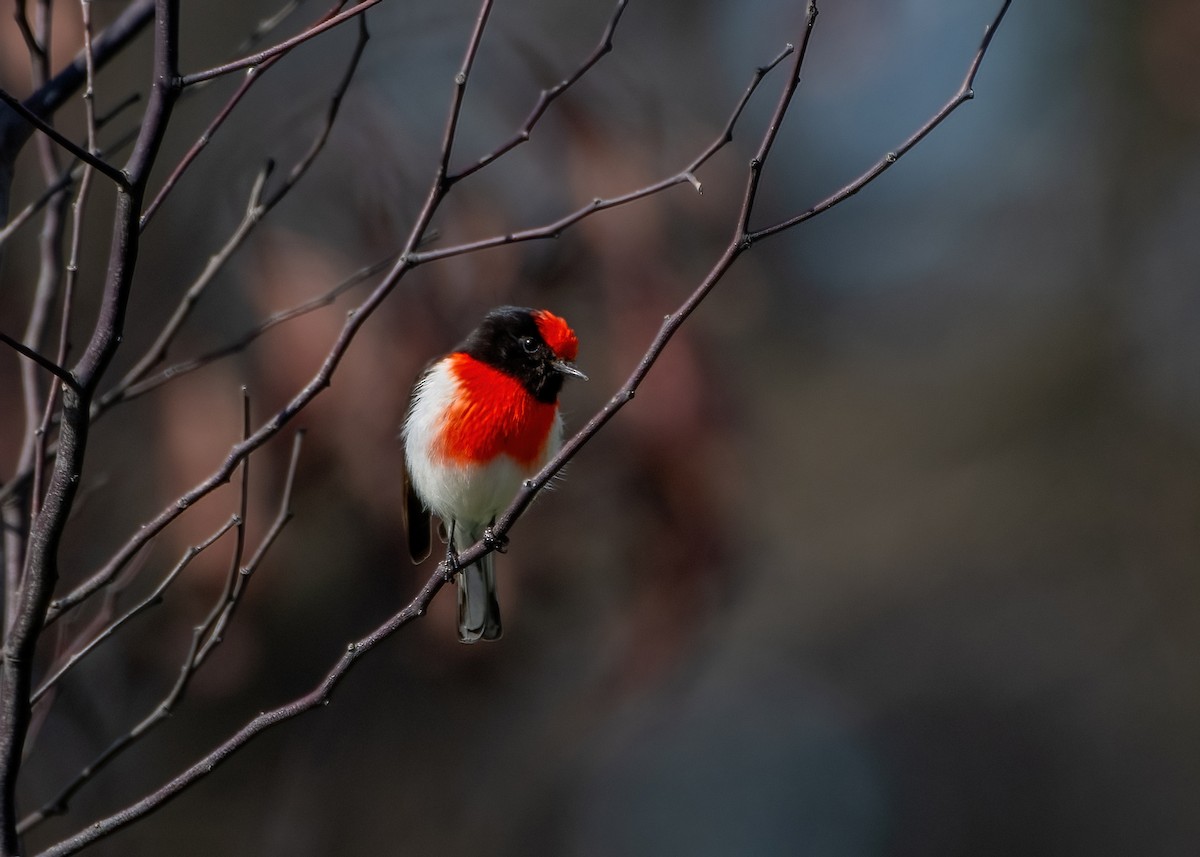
(495, 542)
(451, 566)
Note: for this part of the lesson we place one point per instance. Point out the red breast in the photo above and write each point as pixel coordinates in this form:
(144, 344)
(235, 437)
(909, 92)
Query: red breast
(492, 414)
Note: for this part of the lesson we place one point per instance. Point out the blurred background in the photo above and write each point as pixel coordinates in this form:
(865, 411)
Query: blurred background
(895, 553)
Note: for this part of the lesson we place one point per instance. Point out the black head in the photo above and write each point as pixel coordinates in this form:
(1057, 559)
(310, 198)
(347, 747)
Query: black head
(534, 346)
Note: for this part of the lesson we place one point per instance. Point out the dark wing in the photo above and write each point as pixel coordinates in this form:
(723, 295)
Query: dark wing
(417, 522)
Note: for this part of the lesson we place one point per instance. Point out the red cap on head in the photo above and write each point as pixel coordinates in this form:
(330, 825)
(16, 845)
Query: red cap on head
(557, 333)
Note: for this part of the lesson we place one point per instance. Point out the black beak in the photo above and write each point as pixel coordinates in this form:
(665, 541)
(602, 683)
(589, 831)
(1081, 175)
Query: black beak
(567, 369)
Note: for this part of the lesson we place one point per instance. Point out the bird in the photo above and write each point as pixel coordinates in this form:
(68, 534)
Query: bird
(482, 420)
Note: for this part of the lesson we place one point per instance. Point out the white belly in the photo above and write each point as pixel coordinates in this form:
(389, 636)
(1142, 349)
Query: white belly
(469, 493)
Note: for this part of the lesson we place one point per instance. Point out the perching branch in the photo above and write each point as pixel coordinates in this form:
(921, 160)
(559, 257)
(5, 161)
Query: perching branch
(321, 380)
(741, 241)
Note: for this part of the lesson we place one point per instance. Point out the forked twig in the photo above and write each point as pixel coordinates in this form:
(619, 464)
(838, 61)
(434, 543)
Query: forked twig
(186, 366)
(256, 60)
(337, 351)
(118, 177)
(251, 78)
(152, 600)
(193, 658)
(548, 96)
(554, 229)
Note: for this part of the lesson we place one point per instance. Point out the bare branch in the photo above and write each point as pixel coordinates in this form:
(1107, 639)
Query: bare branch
(740, 242)
(319, 696)
(240, 344)
(324, 689)
(252, 77)
(554, 229)
(205, 637)
(45, 362)
(255, 60)
(337, 351)
(46, 531)
(158, 350)
(213, 627)
(63, 181)
(152, 600)
(548, 96)
(965, 93)
(117, 176)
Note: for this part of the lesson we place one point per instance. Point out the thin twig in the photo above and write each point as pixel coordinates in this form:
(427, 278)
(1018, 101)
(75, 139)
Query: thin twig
(548, 96)
(965, 93)
(319, 696)
(356, 318)
(555, 228)
(251, 216)
(184, 367)
(240, 577)
(72, 267)
(251, 77)
(257, 208)
(152, 600)
(63, 181)
(46, 530)
(255, 60)
(117, 176)
(196, 653)
(40, 359)
(213, 627)
(322, 692)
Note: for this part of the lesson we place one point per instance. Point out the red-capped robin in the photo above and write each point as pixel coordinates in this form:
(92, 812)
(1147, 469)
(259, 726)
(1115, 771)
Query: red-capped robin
(483, 419)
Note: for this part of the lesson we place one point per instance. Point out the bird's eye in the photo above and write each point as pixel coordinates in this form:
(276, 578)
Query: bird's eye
(529, 344)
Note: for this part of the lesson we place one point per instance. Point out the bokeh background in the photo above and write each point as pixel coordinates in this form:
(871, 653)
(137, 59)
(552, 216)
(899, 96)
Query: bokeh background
(896, 553)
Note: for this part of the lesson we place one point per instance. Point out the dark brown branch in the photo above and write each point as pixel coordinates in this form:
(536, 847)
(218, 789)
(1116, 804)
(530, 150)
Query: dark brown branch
(241, 574)
(223, 114)
(548, 96)
(319, 696)
(442, 182)
(741, 241)
(45, 534)
(213, 627)
(105, 46)
(152, 600)
(337, 351)
(197, 651)
(965, 93)
(40, 359)
(97, 163)
(321, 693)
(684, 176)
(256, 60)
(256, 209)
(62, 182)
(179, 369)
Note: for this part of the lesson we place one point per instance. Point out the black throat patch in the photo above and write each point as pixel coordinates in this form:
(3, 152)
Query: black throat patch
(509, 340)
